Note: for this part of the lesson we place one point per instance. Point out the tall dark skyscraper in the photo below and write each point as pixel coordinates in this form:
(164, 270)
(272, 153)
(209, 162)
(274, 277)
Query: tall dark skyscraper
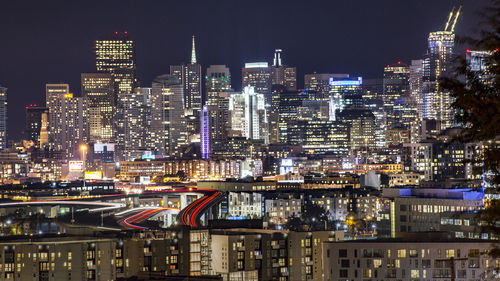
(191, 77)
(396, 85)
(34, 118)
(3, 117)
(282, 74)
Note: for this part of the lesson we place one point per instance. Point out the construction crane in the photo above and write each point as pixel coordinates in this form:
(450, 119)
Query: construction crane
(456, 17)
(449, 18)
(453, 16)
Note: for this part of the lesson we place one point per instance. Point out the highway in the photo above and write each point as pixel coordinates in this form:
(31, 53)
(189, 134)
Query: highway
(190, 216)
(129, 221)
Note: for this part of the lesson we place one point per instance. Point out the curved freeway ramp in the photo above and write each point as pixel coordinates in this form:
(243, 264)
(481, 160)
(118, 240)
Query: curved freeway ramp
(191, 215)
(132, 221)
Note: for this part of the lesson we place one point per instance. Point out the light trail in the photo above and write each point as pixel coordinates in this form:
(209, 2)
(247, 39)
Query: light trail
(143, 215)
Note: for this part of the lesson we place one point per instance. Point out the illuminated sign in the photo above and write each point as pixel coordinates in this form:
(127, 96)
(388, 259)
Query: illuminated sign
(256, 64)
(93, 175)
(237, 218)
(76, 166)
(148, 156)
(345, 82)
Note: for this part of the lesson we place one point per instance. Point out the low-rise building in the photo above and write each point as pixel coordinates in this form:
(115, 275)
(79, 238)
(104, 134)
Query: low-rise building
(408, 259)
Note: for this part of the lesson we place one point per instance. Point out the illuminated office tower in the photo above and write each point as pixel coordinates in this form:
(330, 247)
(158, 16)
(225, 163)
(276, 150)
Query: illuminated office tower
(205, 133)
(70, 130)
(288, 106)
(215, 124)
(168, 123)
(320, 137)
(276, 93)
(376, 106)
(416, 87)
(3, 117)
(137, 123)
(34, 122)
(248, 114)
(342, 92)
(282, 74)
(217, 80)
(320, 82)
(116, 55)
(258, 75)
(396, 84)
(191, 78)
(436, 102)
(362, 128)
(97, 88)
(117, 52)
(53, 98)
(415, 83)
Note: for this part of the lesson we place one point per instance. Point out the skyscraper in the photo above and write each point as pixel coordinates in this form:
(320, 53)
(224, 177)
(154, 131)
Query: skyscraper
(215, 121)
(396, 84)
(258, 75)
(436, 102)
(320, 82)
(342, 92)
(283, 75)
(70, 130)
(248, 114)
(3, 117)
(218, 79)
(137, 123)
(117, 52)
(116, 55)
(190, 77)
(53, 99)
(34, 122)
(415, 83)
(205, 133)
(97, 88)
(362, 127)
(168, 124)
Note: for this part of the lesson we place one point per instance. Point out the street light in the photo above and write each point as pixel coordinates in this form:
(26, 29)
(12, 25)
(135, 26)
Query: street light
(83, 150)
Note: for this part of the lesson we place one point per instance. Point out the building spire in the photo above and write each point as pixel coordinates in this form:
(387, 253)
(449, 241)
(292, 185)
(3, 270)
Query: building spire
(193, 53)
(277, 57)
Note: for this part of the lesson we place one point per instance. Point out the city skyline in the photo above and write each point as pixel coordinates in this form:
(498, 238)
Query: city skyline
(218, 45)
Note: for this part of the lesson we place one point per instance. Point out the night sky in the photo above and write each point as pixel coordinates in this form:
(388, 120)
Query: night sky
(51, 41)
